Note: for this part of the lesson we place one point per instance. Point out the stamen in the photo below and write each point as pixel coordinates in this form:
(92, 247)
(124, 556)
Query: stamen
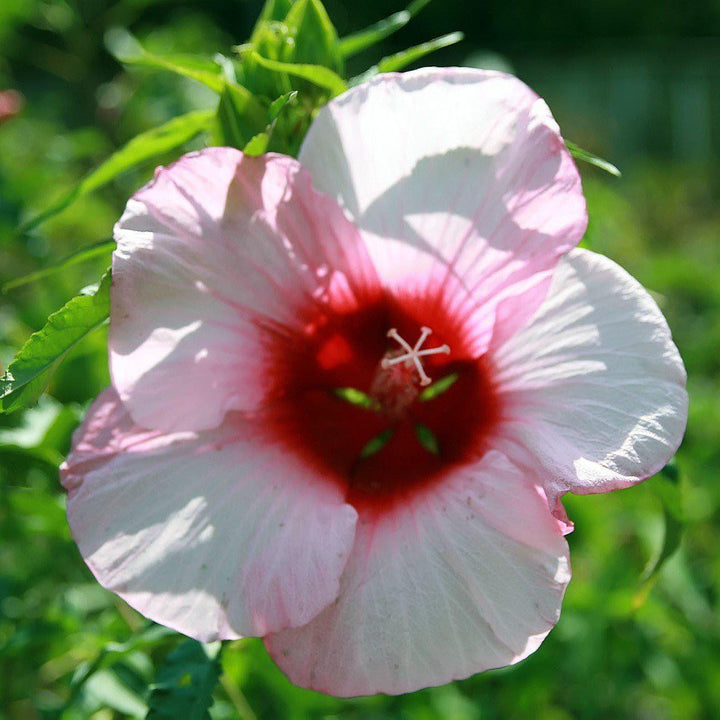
(413, 354)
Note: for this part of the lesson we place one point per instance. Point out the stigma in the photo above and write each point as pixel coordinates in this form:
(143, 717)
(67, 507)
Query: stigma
(413, 354)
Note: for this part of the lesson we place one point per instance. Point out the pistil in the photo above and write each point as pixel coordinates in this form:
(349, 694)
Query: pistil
(413, 354)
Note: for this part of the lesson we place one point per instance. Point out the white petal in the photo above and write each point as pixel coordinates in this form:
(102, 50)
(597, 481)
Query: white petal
(459, 181)
(216, 534)
(593, 388)
(220, 262)
(467, 577)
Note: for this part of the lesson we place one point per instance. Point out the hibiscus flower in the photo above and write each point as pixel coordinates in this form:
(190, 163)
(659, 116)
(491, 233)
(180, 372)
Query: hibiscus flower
(349, 391)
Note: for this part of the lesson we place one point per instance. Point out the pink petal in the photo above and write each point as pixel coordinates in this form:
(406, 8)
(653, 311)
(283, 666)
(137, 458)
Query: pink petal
(219, 263)
(468, 577)
(593, 388)
(456, 176)
(216, 534)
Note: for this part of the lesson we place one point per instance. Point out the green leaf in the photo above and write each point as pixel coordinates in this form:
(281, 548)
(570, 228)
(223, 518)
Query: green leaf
(108, 689)
(186, 682)
(29, 373)
(238, 129)
(400, 60)
(32, 425)
(14, 456)
(273, 11)
(427, 439)
(317, 74)
(239, 116)
(359, 41)
(151, 637)
(126, 48)
(667, 487)
(277, 106)
(42, 433)
(417, 5)
(268, 40)
(89, 252)
(41, 436)
(671, 541)
(187, 66)
(43, 513)
(140, 149)
(304, 39)
(314, 35)
(579, 154)
(671, 473)
(269, 37)
(257, 145)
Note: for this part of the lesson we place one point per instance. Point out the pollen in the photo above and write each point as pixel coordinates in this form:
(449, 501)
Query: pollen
(413, 354)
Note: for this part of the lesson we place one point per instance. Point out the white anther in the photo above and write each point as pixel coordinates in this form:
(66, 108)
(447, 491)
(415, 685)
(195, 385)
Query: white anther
(413, 354)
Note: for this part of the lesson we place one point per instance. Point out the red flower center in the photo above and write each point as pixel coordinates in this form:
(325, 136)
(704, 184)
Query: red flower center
(381, 417)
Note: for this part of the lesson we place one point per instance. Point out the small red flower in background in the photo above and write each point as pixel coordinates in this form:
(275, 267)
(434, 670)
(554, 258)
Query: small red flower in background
(11, 104)
(349, 391)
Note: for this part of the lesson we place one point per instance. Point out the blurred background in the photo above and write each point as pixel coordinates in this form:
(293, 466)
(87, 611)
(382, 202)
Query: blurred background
(637, 83)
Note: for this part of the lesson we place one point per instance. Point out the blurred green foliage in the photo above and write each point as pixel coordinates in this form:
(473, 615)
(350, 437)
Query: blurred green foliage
(625, 647)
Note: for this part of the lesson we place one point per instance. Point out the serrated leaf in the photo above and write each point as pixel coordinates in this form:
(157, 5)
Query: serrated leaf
(186, 682)
(363, 39)
(316, 74)
(315, 40)
(29, 373)
(239, 116)
(401, 60)
(82, 255)
(140, 149)
(579, 154)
